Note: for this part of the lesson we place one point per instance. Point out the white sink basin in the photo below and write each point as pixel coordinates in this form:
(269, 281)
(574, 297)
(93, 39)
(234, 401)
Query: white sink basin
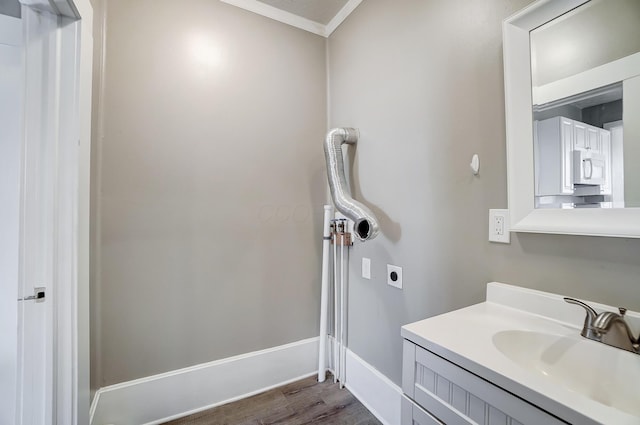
(605, 374)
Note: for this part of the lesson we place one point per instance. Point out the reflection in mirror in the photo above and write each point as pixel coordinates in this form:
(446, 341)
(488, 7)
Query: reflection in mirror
(586, 107)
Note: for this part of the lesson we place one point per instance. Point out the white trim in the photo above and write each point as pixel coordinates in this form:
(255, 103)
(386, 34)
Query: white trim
(341, 16)
(289, 18)
(167, 396)
(81, 318)
(10, 198)
(47, 228)
(65, 8)
(58, 60)
(279, 15)
(375, 391)
(600, 76)
(64, 291)
(94, 406)
(96, 189)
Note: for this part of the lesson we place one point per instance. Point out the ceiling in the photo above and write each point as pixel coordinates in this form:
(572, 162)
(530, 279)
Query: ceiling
(10, 8)
(321, 11)
(320, 17)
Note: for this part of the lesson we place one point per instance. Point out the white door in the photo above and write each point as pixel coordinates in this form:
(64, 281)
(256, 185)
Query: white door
(29, 162)
(10, 159)
(25, 226)
(44, 101)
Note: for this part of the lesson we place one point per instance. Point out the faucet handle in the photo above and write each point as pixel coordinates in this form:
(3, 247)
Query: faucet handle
(622, 311)
(588, 331)
(591, 313)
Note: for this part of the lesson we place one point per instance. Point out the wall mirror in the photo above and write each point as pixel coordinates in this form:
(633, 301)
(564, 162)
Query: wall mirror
(572, 87)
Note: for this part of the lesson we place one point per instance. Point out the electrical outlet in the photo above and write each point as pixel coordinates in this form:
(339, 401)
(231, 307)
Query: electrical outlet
(499, 226)
(366, 268)
(394, 276)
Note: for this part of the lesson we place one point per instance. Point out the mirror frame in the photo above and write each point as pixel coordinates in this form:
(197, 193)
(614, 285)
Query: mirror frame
(621, 222)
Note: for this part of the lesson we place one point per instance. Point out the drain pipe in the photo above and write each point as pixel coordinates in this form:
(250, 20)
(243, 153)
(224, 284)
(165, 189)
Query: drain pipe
(324, 294)
(365, 228)
(365, 223)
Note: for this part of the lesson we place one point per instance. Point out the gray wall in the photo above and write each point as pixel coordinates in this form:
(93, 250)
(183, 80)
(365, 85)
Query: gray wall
(423, 80)
(211, 182)
(597, 33)
(599, 115)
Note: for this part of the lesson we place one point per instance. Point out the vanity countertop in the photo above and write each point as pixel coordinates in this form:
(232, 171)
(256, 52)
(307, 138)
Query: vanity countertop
(467, 337)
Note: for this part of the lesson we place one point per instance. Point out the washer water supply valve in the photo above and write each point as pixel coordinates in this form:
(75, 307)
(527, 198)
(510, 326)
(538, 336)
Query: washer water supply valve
(339, 233)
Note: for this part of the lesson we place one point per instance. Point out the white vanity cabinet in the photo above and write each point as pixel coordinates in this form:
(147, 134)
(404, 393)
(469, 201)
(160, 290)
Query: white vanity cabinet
(555, 140)
(437, 391)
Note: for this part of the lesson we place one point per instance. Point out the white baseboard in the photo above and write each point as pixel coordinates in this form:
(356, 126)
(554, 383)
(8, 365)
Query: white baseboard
(160, 398)
(375, 391)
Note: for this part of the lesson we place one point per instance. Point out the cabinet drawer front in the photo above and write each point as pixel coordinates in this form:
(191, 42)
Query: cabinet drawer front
(456, 396)
(412, 414)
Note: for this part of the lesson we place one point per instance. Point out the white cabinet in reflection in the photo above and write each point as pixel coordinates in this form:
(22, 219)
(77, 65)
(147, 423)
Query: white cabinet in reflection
(605, 149)
(555, 141)
(586, 136)
(553, 155)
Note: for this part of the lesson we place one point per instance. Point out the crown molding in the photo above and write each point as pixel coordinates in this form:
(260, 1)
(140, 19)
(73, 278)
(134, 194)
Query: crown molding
(341, 16)
(288, 18)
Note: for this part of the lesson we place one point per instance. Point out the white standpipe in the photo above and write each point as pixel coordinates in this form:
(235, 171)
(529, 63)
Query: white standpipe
(324, 295)
(365, 227)
(343, 312)
(335, 310)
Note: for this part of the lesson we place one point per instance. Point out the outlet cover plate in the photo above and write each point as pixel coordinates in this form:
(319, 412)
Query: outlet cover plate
(366, 268)
(398, 276)
(499, 226)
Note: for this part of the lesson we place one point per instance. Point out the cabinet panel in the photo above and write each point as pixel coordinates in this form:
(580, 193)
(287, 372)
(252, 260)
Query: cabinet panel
(553, 149)
(580, 136)
(566, 141)
(593, 139)
(458, 397)
(412, 414)
(421, 417)
(605, 147)
(408, 371)
(496, 417)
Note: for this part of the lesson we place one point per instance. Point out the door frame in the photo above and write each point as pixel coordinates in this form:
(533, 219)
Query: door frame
(11, 47)
(69, 118)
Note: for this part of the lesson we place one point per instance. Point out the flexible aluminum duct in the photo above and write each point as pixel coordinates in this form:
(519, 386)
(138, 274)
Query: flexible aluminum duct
(366, 225)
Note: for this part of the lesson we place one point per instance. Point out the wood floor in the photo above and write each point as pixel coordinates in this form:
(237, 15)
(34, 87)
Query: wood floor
(302, 402)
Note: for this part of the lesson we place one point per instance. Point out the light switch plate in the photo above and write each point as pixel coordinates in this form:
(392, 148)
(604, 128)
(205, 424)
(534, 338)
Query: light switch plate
(366, 268)
(499, 226)
(394, 276)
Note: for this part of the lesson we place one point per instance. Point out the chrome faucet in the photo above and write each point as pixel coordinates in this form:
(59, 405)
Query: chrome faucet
(588, 331)
(608, 328)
